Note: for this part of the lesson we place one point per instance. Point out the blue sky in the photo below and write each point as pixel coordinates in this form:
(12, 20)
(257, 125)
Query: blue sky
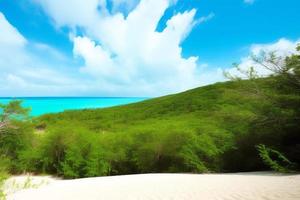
(134, 48)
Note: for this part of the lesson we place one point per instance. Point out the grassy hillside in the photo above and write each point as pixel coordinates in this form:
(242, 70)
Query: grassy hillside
(216, 128)
(213, 128)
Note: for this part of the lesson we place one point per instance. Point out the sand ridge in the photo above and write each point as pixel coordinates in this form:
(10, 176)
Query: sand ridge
(238, 186)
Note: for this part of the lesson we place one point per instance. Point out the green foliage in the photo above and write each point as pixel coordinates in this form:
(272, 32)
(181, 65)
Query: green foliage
(83, 157)
(4, 167)
(68, 152)
(274, 159)
(209, 129)
(13, 111)
(16, 133)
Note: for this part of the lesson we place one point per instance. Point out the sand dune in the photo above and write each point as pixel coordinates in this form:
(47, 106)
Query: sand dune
(239, 186)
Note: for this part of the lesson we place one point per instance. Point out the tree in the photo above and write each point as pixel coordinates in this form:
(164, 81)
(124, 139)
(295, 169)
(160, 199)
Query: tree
(288, 67)
(12, 111)
(15, 132)
(276, 124)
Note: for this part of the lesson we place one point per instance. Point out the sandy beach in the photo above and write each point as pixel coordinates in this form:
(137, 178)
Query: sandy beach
(256, 186)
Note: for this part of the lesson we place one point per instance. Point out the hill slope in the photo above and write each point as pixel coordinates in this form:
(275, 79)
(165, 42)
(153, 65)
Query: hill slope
(212, 128)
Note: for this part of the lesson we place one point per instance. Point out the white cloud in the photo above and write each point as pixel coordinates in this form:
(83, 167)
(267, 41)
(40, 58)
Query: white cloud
(23, 73)
(282, 48)
(127, 51)
(9, 35)
(77, 13)
(120, 55)
(97, 60)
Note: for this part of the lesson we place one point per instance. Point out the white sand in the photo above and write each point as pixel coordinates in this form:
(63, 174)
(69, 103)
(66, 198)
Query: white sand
(243, 186)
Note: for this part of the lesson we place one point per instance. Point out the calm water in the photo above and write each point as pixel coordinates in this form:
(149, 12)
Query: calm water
(42, 105)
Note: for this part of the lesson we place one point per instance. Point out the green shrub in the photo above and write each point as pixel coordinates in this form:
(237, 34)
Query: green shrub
(69, 153)
(274, 159)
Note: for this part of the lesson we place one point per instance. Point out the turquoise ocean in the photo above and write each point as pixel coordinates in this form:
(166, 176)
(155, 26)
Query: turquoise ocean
(43, 105)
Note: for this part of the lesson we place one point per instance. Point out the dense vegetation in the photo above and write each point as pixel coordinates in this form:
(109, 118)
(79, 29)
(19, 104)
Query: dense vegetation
(240, 125)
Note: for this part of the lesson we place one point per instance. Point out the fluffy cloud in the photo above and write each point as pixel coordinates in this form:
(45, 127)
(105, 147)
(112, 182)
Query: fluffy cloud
(10, 41)
(9, 35)
(282, 48)
(127, 50)
(23, 73)
(120, 54)
(33, 75)
(78, 14)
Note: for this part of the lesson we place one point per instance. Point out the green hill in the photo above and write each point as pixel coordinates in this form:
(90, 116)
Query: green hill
(241, 125)
(209, 129)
